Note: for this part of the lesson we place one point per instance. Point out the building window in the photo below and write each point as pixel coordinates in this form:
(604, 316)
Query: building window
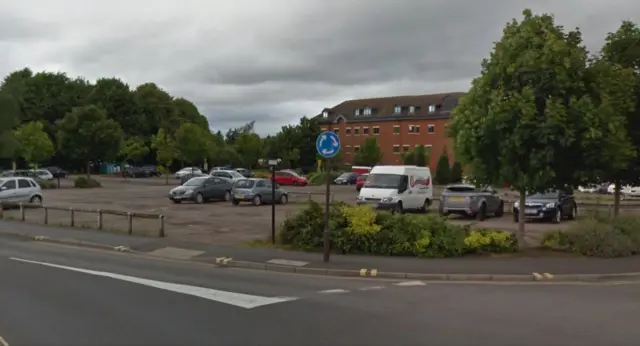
(357, 112)
(336, 131)
(348, 149)
(405, 148)
(365, 131)
(412, 109)
(396, 129)
(431, 129)
(367, 111)
(356, 149)
(376, 130)
(347, 131)
(325, 114)
(397, 109)
(414, 128)
(432, 108)
(356, 131)
(323, 129)
(427, 149)
(396, 149)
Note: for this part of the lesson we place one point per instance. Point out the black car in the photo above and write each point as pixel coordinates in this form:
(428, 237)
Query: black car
(135, 172)
(347, 179)
(189, 176)
(152, 171)
(57, 172)
(554, 205)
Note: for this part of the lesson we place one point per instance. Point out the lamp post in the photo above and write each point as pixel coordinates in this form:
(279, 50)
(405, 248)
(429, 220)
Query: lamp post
(273, 163)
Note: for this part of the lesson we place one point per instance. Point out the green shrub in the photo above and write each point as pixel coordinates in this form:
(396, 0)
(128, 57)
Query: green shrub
(319, 178)
(47, 184)
(598, 236)
(360, 229)
(86, 183)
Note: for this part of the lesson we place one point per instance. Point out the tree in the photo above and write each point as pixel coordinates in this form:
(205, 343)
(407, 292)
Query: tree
(34, 145)
(9, 113)
(369, 153)
(86, 134)
(408, 158)
(456, 172)
(249, 146)
(522, 120)
(421, 156)
(443, 170)
(192, 142)
(166, 151)
(132, 149)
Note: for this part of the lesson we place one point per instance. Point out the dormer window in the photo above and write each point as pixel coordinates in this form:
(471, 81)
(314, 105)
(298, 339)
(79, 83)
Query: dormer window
(357, 112)
(325, 114)
(367, 111)
(397, 109)
(432, 108)
(412, 109)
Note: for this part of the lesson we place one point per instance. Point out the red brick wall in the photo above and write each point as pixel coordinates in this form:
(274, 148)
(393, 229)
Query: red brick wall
(387, 139)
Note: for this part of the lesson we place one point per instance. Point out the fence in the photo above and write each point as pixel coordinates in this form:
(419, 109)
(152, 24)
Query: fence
(309, 196)
(72, 213)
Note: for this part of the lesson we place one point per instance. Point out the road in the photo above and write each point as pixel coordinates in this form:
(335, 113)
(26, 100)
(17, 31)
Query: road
(58, 295)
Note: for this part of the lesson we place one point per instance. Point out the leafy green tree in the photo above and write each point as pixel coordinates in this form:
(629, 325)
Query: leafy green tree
(369, 153)
(522, 120)
(456, 172)
(132, 150)
(421, 156)
(9, 117)
(34, 145)
(443, 169)
(192, 143)
(166, 150)
(408, 158)
(187, 112)
(156, 108)
(116, 97)
(249, 146)
(86, 134)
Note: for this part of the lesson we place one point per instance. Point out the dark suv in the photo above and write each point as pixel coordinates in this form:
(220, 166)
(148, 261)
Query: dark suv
(552, 205)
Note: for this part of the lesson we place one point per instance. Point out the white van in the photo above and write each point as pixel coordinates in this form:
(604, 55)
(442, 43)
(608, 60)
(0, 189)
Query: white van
(398, 188)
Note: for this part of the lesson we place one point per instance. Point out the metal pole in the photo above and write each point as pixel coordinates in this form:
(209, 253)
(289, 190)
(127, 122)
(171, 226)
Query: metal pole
(273, 205)
(327, 203)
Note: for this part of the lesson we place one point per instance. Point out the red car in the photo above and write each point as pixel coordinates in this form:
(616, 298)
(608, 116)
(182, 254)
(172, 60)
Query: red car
(360, 181)
(290, 178)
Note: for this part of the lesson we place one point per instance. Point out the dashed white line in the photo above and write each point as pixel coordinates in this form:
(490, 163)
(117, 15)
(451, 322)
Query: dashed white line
(3, 342)
(333, 291)
(371, 288)
(410, 283)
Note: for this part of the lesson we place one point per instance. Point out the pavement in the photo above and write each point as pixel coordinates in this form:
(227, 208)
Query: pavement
(54, 294)
(518, 268)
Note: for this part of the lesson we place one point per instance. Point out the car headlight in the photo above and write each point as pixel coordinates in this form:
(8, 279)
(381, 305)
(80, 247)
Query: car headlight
(360, 198)
(516, 205)
(387, 200)
(550, 205)
(188, 192)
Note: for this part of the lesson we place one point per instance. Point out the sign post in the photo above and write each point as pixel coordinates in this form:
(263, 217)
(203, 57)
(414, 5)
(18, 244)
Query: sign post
(272, 165)
(328, 146)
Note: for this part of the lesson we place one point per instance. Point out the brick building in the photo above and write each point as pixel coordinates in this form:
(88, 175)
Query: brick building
(399, 124)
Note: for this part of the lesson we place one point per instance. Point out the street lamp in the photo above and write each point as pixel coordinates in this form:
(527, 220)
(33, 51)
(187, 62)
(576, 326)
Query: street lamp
(273, 163)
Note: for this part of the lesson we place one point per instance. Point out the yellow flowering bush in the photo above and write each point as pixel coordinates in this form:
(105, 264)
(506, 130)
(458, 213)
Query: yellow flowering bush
(361, 219)
(483, 240)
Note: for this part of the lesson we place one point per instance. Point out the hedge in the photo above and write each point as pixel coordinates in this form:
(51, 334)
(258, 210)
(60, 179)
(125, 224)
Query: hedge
(360, 229)
(86, 183)
(47, 184)
(320, 178)
(598, 236)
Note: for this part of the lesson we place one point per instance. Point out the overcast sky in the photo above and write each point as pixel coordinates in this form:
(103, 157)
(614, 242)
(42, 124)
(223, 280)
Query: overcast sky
(274, 61)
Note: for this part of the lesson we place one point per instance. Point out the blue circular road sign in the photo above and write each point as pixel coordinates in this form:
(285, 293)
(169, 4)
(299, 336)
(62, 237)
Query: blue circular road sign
(328, 144)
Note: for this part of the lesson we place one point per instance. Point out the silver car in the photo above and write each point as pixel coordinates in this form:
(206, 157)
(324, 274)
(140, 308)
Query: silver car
(20, 190)
(257, 191)
(468, 200)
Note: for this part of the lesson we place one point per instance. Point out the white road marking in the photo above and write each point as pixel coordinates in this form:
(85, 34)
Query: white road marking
(175, 253)
(371, 288)
(3, 342)
(338, 290)
(285, 262)
(237, 299)
(410, 283)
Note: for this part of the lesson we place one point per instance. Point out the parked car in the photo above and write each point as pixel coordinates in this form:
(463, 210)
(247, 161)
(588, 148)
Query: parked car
(229, 174)
(152, 171)
(20, 190)
(202, 189)
(469, 200)
(57, 172)
(589, 188)
(44, 174)
(19, 173)
(257, 191)
(349, 178)
(135, 172)
(187, 170)
(360, 181)
(245, 172)
(190, 176)
(289, 177)
(554, 205)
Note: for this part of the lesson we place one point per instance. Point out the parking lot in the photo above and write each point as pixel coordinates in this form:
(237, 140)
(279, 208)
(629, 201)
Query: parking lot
(218, 222)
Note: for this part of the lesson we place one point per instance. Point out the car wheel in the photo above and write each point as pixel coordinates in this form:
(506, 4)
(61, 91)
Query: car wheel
(399, 208)
(295, 183)
(425, 206)
(557, 218)
(199, 198)
(36, 200)
(482, 213)
(175, 201)
(284, 199)
(257, 200)
(227, 196)
(574, 212)
(500, 210)
(515, 216)
(235, 201)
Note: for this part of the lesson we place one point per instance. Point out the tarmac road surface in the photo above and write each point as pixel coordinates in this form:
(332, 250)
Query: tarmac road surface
(60, 295)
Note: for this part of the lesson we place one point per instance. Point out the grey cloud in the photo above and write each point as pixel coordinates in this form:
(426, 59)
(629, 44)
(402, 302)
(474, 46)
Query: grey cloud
(16, 28)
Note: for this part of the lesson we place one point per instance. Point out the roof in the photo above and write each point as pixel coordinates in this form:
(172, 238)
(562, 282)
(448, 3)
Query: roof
(432, 106)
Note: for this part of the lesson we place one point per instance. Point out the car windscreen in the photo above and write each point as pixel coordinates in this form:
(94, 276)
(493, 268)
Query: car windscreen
(461, 189)
(42, 173)
(244, 184)
(383, 181)
(2, 181)
(344, 175)
(195, 182)
(544, 195)
(235, 174)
